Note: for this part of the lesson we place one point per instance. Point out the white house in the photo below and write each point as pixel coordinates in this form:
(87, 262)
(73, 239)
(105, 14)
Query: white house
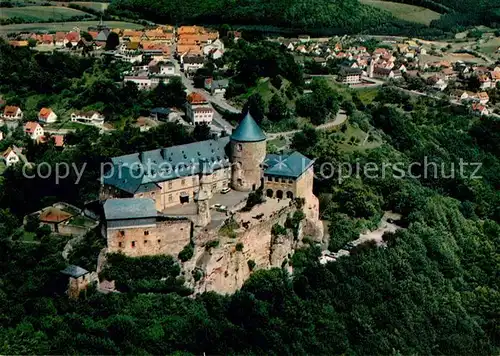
(479, 109)
(13, 155)
(47, 116)
(198, 110)
(167, 68)
(216, 87)
(12, 113)
(191, 63)
(89, 118)
(142, 81)
(34, 130)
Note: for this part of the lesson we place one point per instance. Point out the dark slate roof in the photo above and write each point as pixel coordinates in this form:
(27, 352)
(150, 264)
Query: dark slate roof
(193, 59)
(129, 208)
(347, 70)
(161, 111)
(220, 84)
(102, 36)
(292, 165)
(74, 271)
(141, 172)
(248, 131)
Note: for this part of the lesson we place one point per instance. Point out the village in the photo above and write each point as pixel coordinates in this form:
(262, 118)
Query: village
(191, 203)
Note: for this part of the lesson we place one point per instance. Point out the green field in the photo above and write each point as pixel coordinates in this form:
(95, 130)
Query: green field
(63, 26)
(404, 11)
(97, 6)
(40, 13)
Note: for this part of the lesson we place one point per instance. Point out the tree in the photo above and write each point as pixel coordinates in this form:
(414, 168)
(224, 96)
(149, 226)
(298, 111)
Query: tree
(256, 106)
(277, 109)
(202, 132)
(86, 36)
(112, 41)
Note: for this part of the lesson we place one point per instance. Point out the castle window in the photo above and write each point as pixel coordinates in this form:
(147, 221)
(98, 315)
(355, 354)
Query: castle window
(269, 179)
(170, 198)
(183, 182)
(290, 181)
(239, 147)
(194, 180)
(122, 233)
(283, 180)
(169, 185)
(133, 244)
(146, 233)
(145, 242)
(159, 240)
(120, 244)
(276, 179)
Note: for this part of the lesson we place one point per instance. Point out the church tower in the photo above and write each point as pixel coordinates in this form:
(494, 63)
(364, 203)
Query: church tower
(248, 151)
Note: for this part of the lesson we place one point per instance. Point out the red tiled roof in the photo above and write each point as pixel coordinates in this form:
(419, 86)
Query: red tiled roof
(10, 110)
(58, 140)
(31, 126)
(196, 98)
(45, 112)
(54, 215)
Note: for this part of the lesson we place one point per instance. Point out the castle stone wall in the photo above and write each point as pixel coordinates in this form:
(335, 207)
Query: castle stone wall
(166, 237)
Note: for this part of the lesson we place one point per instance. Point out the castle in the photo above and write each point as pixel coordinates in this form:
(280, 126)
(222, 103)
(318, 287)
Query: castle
(189, 173)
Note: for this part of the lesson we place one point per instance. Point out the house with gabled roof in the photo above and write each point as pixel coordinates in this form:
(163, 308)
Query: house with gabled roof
(47, 116)
(34, 130)
(12, 112)
(198, 109)
(13, 155)
(479, 109)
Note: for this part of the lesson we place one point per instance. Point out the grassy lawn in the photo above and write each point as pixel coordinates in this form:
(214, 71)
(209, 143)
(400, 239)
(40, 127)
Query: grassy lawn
(406, 12)
(63, 26)
(353, 139)
(367, 95)
(40, 13)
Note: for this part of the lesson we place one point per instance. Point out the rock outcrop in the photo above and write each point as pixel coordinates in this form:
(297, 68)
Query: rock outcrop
(252, 245)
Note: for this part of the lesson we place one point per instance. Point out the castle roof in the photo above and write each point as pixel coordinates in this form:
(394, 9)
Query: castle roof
(140, 172)
(129, 208)
(292, 165)
(248, 131)
(74, 271)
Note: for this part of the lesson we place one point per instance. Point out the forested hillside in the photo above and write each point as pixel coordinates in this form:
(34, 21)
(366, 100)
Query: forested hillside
(434, 289)
(312, 16)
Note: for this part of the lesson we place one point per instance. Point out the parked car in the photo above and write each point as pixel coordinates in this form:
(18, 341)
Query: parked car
(222, 208)
(225, 190)
(216, 206)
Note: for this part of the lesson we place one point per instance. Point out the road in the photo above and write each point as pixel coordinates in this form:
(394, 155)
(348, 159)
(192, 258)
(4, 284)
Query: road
(339, 120)
(218, 120)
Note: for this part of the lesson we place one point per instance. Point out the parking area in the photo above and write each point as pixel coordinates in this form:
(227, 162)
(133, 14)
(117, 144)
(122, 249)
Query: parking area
(229, 200)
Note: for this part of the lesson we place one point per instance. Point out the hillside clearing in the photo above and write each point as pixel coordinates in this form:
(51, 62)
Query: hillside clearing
(405, 12)
(63, 26)
(40, 13)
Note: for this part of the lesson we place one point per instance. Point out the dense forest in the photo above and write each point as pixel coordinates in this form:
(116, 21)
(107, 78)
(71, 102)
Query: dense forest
(320, 17)
(434, 289)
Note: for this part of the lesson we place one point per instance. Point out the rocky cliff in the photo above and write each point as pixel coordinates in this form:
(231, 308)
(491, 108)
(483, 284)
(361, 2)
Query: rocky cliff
(246, 243)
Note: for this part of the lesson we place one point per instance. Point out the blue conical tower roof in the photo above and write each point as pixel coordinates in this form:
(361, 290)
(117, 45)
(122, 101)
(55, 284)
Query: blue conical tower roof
(248, 131)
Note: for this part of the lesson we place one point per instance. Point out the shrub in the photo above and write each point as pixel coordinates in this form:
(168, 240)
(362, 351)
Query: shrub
(211, 244)
(239, 246)
(197, 274)
(251, 264)
(277, 230)
(186, 253)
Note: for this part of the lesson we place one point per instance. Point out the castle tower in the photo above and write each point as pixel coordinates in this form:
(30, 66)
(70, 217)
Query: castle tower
(248, 151)
(203, 209)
